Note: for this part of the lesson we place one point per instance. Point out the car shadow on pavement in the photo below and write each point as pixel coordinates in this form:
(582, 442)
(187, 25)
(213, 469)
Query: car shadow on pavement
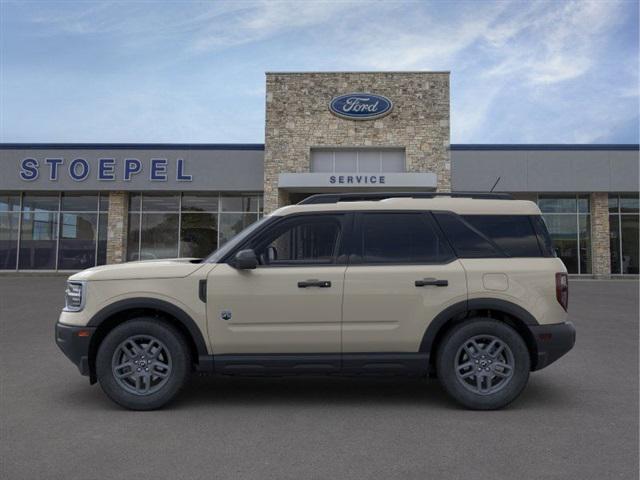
(358, 391)
(218, 391)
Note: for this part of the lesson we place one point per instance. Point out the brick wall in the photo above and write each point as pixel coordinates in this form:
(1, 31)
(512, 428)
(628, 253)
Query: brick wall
(117, 227)
(600, 250)
(298, 119)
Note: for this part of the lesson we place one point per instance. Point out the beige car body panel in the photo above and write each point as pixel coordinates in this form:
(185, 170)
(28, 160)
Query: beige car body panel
(527, 282)
(270, 314)
(181, 291)
(385, 312)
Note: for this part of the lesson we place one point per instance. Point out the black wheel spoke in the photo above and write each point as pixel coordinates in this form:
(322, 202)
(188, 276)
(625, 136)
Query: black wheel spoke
(141, 364)
(484, 364)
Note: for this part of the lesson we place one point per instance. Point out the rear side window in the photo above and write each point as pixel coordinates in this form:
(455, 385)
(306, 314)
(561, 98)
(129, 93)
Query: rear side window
(401, 238)
(514, 234)
(544, 239)
(467, 241)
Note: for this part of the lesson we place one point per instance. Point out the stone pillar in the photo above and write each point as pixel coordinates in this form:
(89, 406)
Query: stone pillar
(117, 227)
(600, 251)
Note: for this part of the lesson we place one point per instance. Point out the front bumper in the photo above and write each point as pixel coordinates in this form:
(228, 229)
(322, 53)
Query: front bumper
(74, 343)
(552, 342)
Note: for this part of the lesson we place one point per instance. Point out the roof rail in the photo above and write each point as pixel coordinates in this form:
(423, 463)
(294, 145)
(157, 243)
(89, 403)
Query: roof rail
(357, 197)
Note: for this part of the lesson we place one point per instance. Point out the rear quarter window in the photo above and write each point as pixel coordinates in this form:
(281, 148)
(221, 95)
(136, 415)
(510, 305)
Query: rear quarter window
(515, 235)
(467, 241)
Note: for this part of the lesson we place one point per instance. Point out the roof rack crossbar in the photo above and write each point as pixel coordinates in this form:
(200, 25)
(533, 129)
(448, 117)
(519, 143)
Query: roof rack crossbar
(356, 197)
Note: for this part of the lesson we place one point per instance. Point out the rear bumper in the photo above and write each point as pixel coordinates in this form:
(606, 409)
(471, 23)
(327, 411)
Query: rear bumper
(74, 343)
(552, 342)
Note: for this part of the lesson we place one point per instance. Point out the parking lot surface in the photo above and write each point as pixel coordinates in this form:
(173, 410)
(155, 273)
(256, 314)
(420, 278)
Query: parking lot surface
(577, 419)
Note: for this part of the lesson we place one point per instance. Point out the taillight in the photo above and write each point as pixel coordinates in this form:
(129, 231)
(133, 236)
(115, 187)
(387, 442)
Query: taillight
(562, 289)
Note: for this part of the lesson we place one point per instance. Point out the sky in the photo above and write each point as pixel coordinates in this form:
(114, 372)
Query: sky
(193, 72)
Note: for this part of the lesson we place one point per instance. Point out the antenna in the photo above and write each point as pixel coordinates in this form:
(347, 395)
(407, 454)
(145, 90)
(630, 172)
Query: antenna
(494, 185)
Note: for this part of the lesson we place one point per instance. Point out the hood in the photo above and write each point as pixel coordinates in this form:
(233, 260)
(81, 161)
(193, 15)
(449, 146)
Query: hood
(146, 269)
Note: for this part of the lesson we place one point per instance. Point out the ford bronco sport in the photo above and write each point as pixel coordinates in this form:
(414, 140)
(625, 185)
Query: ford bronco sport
(463, 287)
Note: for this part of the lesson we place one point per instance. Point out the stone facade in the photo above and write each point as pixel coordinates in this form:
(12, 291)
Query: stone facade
(600, 247)
(117, 227)
(298, 119)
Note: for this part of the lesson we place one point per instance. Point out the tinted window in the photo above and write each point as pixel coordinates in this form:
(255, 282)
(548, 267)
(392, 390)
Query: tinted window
(514, 234)
(467, 242)
(544, 239)
(301, 240)
(401, 238)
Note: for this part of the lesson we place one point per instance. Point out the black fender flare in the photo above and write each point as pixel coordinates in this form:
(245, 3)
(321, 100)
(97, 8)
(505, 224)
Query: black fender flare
(154, 304)
(460, 309)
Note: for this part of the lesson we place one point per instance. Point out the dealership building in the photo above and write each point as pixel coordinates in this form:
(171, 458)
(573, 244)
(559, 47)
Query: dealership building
(66, 207)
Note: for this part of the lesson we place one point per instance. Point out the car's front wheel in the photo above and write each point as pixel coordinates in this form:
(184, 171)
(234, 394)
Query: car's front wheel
(143, 363)
(483, 364)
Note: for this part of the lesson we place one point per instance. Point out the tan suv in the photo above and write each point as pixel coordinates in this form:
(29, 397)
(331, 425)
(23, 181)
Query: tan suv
(464, 287)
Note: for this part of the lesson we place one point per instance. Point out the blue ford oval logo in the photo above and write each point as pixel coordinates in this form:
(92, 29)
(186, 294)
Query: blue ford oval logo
(360, 106)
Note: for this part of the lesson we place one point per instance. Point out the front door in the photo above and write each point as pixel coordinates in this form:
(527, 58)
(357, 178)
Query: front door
(292, 302)
(403, 273)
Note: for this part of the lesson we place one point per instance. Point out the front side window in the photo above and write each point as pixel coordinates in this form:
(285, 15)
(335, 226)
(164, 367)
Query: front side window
(401, 238)
(305, 240)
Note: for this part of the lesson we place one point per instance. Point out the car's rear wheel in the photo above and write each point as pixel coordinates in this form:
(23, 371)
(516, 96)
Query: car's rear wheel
(143, 363)
(483, 364)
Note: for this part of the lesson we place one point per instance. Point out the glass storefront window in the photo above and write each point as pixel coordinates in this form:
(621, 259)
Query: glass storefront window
(200, 202)
(78, 234)
(38, 240)
(133, 236)
(79, 202)
(52, 231)
(233, 223)
(9, 202)
(623, 233)
(9, 224)
(159, 236)
(569, 222)
(198, 234)
(154, 202)
(40, 201)
(193, 224)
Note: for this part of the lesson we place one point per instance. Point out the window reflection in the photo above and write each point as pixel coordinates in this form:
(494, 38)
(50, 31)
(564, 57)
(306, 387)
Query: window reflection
(623, 233)
(193, 224)
(9, 222)
(569, 223)
(77, 248)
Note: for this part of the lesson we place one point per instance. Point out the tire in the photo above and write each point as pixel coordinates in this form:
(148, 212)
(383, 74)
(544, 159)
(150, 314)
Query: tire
(143, 363)
(488, 345)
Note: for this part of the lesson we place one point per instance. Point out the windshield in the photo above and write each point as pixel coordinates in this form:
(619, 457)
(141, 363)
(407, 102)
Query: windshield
(235, 241)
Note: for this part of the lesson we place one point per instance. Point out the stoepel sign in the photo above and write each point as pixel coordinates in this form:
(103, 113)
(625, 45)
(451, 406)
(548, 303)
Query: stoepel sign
(360, 106)
(106, 169)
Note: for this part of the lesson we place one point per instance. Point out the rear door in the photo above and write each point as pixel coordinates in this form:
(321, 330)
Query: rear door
(401, 275)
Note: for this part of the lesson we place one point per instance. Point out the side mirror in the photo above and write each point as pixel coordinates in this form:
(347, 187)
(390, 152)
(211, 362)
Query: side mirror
(245, 260)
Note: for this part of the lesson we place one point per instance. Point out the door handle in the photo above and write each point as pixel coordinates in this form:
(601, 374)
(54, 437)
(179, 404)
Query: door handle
(431, 281)
(314, 283)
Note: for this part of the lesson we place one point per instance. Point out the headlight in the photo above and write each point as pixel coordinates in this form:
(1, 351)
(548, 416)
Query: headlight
(74, 297)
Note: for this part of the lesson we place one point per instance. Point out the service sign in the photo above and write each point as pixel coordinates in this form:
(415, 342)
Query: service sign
(360, 106)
